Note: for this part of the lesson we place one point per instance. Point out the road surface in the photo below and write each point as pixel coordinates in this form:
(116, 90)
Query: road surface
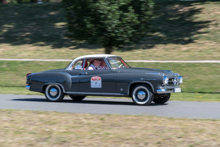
(175, 109)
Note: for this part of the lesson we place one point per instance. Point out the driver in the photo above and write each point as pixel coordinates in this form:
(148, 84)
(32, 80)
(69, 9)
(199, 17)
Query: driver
(95, 65)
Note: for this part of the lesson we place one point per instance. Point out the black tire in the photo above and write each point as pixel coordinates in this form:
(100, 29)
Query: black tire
(142, 95)
(161, 98)
(54, 93)
(77, 98)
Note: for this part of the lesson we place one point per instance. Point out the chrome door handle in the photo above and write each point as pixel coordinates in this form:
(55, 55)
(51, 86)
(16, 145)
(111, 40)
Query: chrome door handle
(84, 73)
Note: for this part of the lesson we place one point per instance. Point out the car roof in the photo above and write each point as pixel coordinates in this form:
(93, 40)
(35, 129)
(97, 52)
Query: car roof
(96, 56)
(89, 56)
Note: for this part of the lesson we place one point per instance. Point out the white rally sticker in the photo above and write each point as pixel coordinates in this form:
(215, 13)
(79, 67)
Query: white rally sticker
(96, 82)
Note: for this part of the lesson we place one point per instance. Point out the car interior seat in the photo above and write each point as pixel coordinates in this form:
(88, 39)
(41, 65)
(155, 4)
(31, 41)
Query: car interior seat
(91, 62)
(85, 65)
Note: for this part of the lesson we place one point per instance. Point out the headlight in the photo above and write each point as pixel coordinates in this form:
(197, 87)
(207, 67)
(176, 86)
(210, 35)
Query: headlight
(165, 80)
(180, 79)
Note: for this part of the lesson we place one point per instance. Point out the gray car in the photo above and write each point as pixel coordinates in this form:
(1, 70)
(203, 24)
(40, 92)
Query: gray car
(113, 77)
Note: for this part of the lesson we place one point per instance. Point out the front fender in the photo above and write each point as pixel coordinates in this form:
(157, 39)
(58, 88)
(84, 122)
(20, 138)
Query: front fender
(130, 85)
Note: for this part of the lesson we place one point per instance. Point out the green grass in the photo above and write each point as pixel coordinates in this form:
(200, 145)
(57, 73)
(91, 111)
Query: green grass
(183, 31)
(200, 80)
(17, 90)
(13, 73)
(196, 96)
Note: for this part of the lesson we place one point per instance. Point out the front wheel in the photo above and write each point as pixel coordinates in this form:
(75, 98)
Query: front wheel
(77, 98)
(54, 93)
(142, 95)
(161, 98)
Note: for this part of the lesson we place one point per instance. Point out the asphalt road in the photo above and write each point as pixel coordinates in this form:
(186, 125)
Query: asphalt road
(176, 109)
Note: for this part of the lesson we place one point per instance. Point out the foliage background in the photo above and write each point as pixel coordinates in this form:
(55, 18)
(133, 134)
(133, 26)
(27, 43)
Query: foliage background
(109, 23)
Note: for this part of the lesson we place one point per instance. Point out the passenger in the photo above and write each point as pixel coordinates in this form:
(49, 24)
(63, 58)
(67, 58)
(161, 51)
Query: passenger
(95, 65)
(103, 65)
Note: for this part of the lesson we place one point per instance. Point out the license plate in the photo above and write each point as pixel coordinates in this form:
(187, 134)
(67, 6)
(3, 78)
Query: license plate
(177, 89)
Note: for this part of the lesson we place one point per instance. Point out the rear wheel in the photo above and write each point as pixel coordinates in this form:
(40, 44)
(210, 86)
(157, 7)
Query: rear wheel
(161, 98)
(142, 94)
(77, 98)
(54, 93)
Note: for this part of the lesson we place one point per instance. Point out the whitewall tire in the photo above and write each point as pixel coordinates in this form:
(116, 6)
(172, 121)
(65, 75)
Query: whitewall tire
(54, 93)
(142, 95)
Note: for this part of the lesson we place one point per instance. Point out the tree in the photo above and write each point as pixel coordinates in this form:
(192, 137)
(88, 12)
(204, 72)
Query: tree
(109, 23)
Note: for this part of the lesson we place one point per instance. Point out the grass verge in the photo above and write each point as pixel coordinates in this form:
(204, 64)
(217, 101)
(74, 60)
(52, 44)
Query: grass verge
(20, 128)
(200, 80)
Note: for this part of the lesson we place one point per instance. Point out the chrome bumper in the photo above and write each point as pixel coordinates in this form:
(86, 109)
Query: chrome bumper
(170, 90)
(28, 87)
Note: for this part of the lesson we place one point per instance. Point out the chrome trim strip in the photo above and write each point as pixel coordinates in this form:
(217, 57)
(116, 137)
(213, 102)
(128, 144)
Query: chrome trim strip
(93, 93)
(155, 73)
(165, 91)
(27, 87)
(74, 76)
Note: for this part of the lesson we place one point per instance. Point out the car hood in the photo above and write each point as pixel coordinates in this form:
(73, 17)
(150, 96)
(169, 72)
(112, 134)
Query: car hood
(147, 71)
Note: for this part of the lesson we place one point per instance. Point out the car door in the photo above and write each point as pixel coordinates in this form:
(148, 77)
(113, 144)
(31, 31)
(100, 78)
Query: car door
(98, 81)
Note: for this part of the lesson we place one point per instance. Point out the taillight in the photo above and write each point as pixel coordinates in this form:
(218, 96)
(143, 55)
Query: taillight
(28, 74)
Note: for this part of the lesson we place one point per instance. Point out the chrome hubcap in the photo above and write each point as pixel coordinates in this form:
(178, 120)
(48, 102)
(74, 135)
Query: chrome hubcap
(141, 95)
(53, 91)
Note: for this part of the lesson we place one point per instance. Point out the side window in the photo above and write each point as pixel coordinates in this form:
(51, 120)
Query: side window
(77, 65)
(96, 64)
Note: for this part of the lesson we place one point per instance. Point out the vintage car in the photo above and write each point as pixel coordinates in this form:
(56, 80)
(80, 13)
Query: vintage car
(114, 77)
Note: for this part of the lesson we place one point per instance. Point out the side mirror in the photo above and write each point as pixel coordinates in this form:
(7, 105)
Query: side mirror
(78, 67)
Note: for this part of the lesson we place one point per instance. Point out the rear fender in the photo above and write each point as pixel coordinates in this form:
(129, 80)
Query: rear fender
(40, 80)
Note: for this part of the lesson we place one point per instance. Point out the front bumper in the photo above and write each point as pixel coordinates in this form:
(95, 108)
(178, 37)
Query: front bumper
(28, 87)
(170, 90)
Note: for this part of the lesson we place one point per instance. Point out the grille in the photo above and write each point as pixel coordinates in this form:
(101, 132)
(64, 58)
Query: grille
(173, 81)
(170, 82)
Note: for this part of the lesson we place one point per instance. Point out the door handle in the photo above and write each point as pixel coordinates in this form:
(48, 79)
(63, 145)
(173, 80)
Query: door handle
(83, 73)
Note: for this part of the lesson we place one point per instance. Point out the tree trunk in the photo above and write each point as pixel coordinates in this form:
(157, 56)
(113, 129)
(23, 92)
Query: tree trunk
(108, 49)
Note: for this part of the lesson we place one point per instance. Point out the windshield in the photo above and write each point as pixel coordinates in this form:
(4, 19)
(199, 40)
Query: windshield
(117, 62)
